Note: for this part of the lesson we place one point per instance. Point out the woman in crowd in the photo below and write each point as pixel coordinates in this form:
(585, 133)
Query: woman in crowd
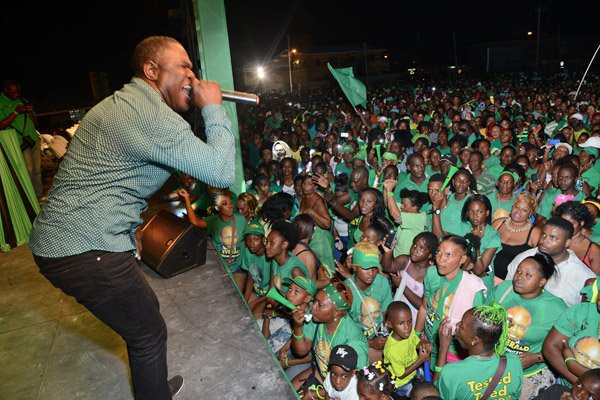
(531, 314)
(305, 226)
(408, 271)
(330, 326)
(482, 332)
(262, 187)
(572, 346)
(449, 291)
(288, 173)
(517, 232)
(372, 207)
(581, 218)
(247, 206)
(225, 229)
(477, 212)
(447, 211)
(503, 199)
(314, 206)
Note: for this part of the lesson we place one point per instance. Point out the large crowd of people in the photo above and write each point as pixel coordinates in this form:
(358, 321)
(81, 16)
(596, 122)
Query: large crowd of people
(445, 232)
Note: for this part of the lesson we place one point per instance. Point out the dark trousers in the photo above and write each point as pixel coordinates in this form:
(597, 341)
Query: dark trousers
(112, 287)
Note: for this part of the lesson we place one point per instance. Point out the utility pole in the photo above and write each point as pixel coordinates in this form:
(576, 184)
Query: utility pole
(537, 42)
(455, 54)
(366, 64)
(289, 51)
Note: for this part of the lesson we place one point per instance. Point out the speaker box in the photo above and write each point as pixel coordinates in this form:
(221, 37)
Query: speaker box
(172, 245)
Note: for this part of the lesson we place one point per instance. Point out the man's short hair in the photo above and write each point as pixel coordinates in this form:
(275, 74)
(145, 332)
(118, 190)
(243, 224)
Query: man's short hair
(148, 50)
(562, 224)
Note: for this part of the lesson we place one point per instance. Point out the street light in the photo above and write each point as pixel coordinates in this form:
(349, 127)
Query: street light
(529, 33)
(260, 74)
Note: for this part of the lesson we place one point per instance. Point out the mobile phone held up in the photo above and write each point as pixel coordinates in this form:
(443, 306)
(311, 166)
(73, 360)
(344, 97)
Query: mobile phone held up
(391, 238)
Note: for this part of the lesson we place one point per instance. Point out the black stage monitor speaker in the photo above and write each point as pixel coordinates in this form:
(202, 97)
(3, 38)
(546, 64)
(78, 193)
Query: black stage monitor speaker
(171, 245)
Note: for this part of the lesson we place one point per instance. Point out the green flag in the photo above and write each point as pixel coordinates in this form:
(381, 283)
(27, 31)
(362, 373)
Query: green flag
(355, 90)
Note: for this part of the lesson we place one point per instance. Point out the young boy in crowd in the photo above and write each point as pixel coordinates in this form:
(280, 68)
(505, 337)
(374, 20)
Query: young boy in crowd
(257, 268)
(403, 349)
(301, 293)
(340, 382)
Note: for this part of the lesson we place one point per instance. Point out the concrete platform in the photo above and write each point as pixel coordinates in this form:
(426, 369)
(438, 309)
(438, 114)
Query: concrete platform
(51, 347)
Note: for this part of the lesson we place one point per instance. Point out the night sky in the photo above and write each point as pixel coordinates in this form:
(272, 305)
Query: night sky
(50, 46)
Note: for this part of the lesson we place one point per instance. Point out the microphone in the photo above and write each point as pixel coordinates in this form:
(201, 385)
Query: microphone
(240, 97)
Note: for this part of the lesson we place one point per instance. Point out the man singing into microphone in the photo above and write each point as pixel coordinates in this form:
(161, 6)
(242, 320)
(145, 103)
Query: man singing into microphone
(84, 239)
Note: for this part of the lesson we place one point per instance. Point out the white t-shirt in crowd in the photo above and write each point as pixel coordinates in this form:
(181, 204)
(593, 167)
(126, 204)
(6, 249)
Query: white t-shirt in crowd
(350, 393)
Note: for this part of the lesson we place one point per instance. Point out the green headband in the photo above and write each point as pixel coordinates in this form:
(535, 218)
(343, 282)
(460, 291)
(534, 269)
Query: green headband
(515, 176)
(335, 296)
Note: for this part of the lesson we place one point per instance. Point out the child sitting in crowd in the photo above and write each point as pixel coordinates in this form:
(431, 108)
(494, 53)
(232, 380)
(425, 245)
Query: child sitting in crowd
(341, 381)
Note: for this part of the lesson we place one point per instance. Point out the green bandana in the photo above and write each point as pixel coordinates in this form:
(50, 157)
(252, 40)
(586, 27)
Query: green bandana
(335, 296)
(513, 174)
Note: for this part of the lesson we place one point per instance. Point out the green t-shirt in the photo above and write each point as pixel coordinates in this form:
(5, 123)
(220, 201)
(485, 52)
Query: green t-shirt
(495, 171)
(530, 320)
(259, 269)
(486, 183)
(375, 299)
(405, 182)
(401, 354)
(440, 293)
(445, 151)
(412, 225)
(281, 273)
(430, 172)
(468, 379)
(342, 168)
(451, 216)
(581, 324)
(223, 234)
(347, 332)
(22, 123)
(592, 177)
(547, 203)
(491, 161)
(491, 239)
(500, 209)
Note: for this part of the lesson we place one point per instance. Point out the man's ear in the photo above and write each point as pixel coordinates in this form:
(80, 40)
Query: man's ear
(151, 70)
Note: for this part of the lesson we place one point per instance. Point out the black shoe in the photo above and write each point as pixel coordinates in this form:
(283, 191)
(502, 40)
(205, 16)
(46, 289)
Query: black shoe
(175, 384)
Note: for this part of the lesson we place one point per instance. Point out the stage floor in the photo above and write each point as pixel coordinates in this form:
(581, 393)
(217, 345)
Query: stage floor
(51, 347)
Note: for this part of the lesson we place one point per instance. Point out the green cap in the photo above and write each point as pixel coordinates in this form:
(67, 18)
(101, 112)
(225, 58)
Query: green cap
(592, 151)
(419, 136)
(361, 155)
(347, 149)
(303, 282)
(366, 255)
(388, 155)
(254, 228)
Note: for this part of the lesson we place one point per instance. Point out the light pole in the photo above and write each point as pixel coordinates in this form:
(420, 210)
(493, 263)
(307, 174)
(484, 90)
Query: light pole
(290, 52)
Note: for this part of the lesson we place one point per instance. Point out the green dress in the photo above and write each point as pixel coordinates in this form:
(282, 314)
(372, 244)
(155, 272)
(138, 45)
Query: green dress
(322, 244)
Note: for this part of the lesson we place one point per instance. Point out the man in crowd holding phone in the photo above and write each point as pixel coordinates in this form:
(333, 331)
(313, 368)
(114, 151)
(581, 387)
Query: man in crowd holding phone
(17, 113)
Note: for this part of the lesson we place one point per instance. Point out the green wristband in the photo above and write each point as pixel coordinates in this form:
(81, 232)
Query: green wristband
(437, 369)
(298, 337)
(570, 359)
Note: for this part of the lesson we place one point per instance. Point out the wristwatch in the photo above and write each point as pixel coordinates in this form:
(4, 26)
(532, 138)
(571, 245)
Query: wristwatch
(437, 212)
